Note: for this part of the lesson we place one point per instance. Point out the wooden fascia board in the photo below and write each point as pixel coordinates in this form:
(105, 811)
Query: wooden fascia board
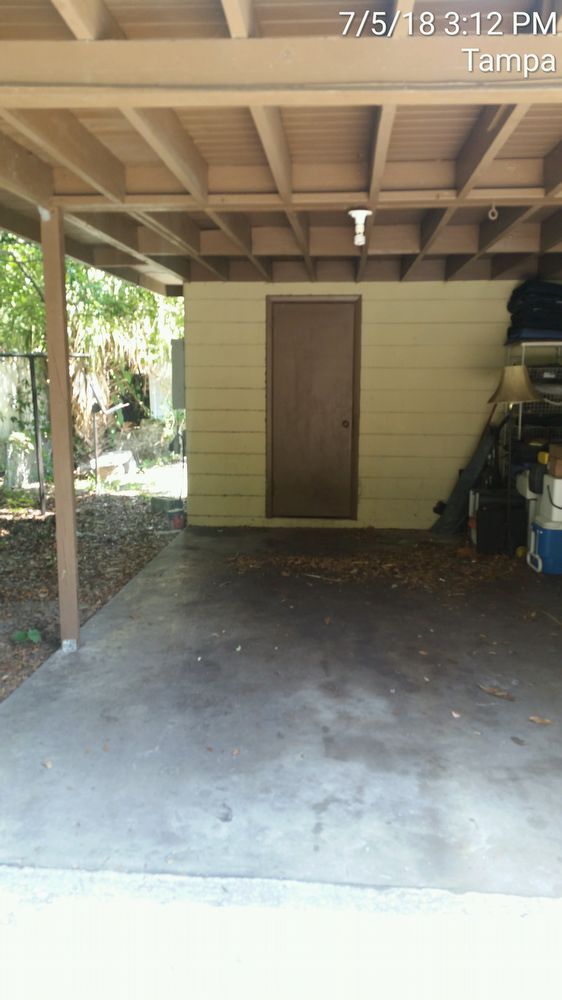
(267, 71)
(63, 138)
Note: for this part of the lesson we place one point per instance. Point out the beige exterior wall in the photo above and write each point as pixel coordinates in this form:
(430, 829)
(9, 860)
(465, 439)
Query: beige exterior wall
(430, 358)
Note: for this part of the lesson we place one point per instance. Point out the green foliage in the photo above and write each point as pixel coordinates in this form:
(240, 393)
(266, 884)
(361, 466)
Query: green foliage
(26, 635)
(121, 328)
(113, 322)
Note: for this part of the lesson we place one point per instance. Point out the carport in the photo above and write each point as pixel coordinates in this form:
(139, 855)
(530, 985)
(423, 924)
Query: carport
(227, 722)
(216, 149)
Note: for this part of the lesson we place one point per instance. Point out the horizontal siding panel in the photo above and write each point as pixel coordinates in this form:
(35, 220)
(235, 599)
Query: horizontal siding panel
(224, 465)
(398, 514)
(421, 423)
(430, 445)
(226, 506)
(226, 378)
(223, 485)
(464, 355)
(411, 467)
(430, 378)
(224, 310)
(390, 291)
(225, 333)
(226, 443)
(219, 355)
(405, 489)
(436, 311)
(425, 401)
(413, 334)
(226, 420)
(225, 399)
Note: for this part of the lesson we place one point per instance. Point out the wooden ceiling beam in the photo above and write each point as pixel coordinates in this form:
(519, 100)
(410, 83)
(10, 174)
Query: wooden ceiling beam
(63, 138)
(88, 19)
(492, 130)
(23, 174)
(552, 177)
(163, 132)
(240, 17)
(490, 232)
(29, 228)
(550, 266)
(551, 232)
(504, 263)
(304, 72)
(382, 132)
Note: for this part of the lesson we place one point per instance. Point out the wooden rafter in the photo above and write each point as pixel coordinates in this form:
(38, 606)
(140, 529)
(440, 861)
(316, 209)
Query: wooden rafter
(382, 132)
(88, 19)
(62, 137)
(492, 130)
(240, 18)
(161, 128)
(490, 232)
(23, 174)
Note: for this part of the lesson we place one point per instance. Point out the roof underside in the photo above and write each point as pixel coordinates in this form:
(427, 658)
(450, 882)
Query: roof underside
(197, 140)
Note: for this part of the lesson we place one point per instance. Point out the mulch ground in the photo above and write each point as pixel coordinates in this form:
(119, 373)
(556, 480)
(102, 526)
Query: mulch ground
(425, 564)
(117, 535)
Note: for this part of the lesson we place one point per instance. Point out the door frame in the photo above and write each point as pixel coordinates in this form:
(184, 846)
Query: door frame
(271, 301)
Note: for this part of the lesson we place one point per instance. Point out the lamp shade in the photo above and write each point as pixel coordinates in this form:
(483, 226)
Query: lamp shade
(515, 386)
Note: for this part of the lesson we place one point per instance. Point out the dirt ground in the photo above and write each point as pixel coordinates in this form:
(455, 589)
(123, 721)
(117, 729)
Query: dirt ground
(117, 535)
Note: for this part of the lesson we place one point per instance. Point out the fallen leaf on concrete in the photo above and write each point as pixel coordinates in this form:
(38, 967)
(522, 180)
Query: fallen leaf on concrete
(518, 741)
(327, 620)
(105, 747)
(552, 617)
(456, 715)
(539, 721)
(423, 652)
(497, 692)
(47, 763)
(236, 752)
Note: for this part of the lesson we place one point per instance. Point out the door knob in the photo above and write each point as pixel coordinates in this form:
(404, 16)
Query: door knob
(345, 423)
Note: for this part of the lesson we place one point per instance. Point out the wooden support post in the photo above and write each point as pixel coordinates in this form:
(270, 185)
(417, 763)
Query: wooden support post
(52, 238)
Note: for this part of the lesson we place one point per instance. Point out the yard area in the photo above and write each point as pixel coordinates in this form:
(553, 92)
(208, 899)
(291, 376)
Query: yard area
(117, 535)
(248, 706)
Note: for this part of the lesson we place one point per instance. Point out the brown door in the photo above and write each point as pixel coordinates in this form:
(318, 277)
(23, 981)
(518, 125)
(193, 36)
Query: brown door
(312, 407)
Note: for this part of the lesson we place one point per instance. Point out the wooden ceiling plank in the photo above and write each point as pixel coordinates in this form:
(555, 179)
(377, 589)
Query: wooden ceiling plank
(62, 137)
(23, 174)
(88, 19)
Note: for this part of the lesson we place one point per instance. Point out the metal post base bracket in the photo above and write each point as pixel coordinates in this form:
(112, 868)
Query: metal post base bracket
(69, 646)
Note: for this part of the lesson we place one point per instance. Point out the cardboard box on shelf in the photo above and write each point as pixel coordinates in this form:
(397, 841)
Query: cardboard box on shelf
(555, 461)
